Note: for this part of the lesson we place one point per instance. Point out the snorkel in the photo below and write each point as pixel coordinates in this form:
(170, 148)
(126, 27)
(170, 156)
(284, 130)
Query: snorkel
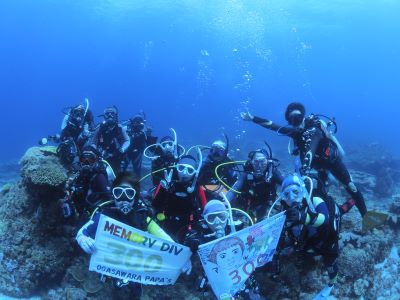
(178, 150)
(175, 143)
(191, 188)
(87, 107)
(228, 205)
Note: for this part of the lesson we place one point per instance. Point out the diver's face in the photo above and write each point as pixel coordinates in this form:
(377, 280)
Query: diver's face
(217, 153)
(217, 221)
(185, 172)
(124, 197)
(110, 117)
(296, 118)
(293, 195)
(230, 258)
(259, 163)
(168, 147)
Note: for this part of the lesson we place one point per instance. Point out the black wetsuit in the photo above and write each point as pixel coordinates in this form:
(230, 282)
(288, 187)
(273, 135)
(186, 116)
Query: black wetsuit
(207, 175)
(112, 143)
(139, 141)
(257, 193)
(164, 161)
(318, 234)
(180, 208)
(78, 132)
(325, 155)
(87, 190)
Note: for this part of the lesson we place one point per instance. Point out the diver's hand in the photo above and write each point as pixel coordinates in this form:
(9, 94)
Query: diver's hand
(324, 293)
(166, 182)
(246, 116)
(295, 216)
(187, 267)
(87, 244)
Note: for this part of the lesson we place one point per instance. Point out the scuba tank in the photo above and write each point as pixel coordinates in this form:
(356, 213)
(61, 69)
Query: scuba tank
(325, 127)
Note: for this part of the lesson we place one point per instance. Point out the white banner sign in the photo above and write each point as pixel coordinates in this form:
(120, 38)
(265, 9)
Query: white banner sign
(127, 253)
(229, 261)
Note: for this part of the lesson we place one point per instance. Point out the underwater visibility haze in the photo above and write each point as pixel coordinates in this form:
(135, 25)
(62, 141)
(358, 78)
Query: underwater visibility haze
(194, 65)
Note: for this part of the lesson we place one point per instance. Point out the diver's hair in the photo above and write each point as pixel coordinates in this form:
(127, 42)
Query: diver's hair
(294, 106)
(129, 178)
(223, 245)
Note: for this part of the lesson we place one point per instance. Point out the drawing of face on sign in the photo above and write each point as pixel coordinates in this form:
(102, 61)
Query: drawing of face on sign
(227, 254)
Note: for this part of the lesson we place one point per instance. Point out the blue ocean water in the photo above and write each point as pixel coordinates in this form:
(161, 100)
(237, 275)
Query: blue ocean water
(195, 64)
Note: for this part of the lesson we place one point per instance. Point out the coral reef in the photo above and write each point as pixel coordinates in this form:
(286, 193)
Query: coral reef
(41, 171)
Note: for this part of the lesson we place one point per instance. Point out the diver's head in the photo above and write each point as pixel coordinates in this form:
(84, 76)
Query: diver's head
(76, 115)
(186, 168)
(259, 162)
(293, 191)
(167, 145)
(125, 190)
(216, 215)
(295, 113)
(137, 123)
(111, 116)
(218, 151)
(88, 158)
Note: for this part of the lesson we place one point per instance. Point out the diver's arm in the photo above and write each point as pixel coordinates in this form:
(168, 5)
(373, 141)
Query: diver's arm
(321, 217)
(285, 130)
(89, 229)
(154, 229)
(237, 187)
(89, 120)
(125, 140)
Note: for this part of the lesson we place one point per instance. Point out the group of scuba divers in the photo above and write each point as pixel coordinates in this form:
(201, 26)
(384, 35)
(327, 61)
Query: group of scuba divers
(190, 199)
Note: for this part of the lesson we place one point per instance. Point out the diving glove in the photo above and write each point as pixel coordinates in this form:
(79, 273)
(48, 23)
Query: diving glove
(324, 293)
(87, 244)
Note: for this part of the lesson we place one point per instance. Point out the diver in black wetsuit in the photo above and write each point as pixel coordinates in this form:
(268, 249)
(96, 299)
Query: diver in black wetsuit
(87, 188)
(312, 227)
(111, 140)
(165, 158)
(257, 184)
(140, 137)
(178, 200)
(207, 178)
(317, 149)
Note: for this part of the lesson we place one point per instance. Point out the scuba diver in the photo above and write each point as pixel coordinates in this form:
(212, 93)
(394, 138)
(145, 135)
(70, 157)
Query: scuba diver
(177, 200)
(140, 137)
(217, 155)
(312, 226)
(257, 184)
(111, 140)
(129, 209)
(76, 129)
(317, 148)
(78, 123)
(163, 155)
(214, 224)
(86, 189)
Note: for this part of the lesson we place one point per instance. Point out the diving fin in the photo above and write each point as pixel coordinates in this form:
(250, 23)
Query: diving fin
(324, 293)
(373, 219)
